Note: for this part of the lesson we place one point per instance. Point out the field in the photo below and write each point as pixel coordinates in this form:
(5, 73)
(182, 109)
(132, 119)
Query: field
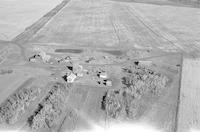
(16, 15)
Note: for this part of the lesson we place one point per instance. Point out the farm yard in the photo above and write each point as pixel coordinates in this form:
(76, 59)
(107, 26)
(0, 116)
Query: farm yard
(77, 65)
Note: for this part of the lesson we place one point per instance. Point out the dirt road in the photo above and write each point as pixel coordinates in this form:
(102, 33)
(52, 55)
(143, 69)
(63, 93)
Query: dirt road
(189, 108)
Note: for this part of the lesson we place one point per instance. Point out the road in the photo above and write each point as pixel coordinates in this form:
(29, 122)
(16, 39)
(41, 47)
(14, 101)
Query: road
(189, 108)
